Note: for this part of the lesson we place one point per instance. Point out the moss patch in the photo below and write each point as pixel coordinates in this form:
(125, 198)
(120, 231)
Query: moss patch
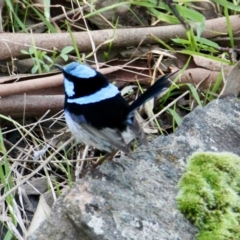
(209, 195)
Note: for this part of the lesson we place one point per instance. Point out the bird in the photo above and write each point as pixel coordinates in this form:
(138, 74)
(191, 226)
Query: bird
(96, 113)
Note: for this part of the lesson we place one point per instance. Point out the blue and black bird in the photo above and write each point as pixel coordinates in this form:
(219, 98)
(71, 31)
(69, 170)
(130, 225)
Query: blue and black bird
(97, 114)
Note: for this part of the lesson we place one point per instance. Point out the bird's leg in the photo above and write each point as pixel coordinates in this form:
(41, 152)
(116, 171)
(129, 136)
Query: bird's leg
(108, 156)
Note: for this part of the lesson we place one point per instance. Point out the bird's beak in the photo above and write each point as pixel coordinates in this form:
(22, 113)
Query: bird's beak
(59, 67)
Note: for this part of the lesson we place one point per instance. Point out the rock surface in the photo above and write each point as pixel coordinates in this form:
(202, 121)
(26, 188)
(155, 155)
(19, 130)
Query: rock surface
(139, 203)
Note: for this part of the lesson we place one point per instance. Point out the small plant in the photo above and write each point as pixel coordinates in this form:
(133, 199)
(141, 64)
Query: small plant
(42, 62)
(209, 195)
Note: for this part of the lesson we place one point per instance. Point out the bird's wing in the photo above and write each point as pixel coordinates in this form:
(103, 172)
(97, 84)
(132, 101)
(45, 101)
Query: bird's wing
(109, 135)
(113, 136)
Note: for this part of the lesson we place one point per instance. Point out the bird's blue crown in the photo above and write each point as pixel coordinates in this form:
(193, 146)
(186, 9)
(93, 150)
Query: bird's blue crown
(79, 70)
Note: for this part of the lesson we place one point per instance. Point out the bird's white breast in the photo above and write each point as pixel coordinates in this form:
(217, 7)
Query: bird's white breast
(84, 136)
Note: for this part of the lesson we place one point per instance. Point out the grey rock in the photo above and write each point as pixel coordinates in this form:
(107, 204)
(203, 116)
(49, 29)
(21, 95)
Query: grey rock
(139, 203)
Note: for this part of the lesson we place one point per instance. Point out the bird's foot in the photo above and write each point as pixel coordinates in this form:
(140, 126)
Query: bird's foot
(109, 157)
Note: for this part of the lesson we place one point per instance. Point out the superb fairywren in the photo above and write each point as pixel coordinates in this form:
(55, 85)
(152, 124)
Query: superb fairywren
(97, 114)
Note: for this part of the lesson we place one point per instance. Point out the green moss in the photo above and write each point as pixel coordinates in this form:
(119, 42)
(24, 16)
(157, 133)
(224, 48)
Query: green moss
(209, 195)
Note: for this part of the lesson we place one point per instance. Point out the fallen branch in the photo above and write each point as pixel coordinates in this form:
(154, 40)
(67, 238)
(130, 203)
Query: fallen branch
(43, 82)
(52, 85)
(37, 105)
(25, 105)
(27, 86)
(47, 84)
(11, 44)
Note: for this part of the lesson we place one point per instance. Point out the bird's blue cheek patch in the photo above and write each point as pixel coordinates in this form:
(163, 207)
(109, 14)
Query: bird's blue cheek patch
(83, 71)
(105, 93)
(69, 87)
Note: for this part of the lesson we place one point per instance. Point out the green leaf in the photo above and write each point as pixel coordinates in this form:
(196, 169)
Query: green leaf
(46, 67)
(181, 41)
(25, 52)
(164, 17)
(106, 56)
(34, 69)
(32, 50)
(227, 4)
(192, 53)
(190, 14)
(67, 50)
(175, 116)
(207, 42)
(47, 9)
(195, 94)
(41, 54)
(38, 60)
(200, 28)
(209, 49)
(64, 57)
(48, 58)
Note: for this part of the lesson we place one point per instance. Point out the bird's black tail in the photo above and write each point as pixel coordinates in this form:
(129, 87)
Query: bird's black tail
(160, 86)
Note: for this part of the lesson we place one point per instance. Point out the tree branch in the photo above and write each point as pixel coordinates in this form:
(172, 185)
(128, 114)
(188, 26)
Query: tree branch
(29, 105)
(11, 44)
